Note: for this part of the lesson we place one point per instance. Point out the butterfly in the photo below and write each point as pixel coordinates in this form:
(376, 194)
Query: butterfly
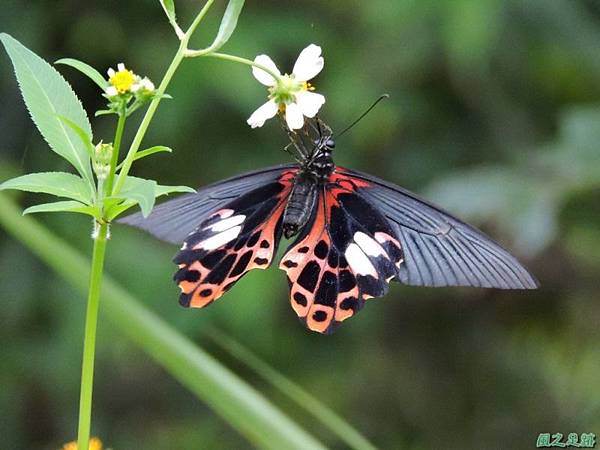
(354, 234)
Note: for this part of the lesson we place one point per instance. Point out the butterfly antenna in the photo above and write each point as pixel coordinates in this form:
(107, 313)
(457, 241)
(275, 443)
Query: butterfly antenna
(364, 114)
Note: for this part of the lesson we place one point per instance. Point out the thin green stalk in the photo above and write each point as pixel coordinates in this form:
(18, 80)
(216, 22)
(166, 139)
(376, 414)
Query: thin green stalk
(89, 343)
(197, 20)
(141, 132)
(237, 59)
(115, 155)
(89, 348)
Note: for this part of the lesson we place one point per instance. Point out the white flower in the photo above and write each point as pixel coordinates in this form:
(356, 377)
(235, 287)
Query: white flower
(124, 82)
(291, 94)
(143, 84)
(120, 81)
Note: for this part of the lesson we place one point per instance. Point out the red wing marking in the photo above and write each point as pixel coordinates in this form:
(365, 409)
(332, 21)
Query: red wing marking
(347, 254)
(239, 237)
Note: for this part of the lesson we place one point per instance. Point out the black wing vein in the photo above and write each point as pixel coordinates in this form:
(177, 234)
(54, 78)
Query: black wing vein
(441, 250)
(174, 220)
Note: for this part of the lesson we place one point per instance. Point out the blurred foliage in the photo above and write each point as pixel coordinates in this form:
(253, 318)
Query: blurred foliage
(494, 114)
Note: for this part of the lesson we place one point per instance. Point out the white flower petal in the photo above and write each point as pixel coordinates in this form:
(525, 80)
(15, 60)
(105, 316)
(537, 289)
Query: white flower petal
(262, 76)
(309, 102)
(148, 85)
(293, 116)
(121, 67)
(264, 112)
(111, 72)
(309, 63)
(111, 91)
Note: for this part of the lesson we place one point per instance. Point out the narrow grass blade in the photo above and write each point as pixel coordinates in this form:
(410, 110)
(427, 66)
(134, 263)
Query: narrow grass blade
(244, 408)
(328, 418)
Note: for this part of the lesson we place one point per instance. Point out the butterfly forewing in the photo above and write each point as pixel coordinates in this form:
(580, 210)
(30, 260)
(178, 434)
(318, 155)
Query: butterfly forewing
(439, 249)
(240, 236)
(174, 219)
(347, 254)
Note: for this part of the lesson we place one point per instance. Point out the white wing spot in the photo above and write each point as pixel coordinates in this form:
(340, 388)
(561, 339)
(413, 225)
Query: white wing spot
(228, 223)
(220, 239)
(224, 213)
(368, 244)
(359, 262)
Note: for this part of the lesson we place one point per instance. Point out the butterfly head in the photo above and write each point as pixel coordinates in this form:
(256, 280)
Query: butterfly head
(324, 144)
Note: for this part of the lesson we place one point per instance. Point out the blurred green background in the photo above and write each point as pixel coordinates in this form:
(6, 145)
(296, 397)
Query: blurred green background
(494, 114)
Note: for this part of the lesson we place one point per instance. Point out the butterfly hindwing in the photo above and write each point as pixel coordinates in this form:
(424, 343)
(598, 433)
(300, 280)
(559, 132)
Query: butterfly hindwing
(346, 255)
(242, 235)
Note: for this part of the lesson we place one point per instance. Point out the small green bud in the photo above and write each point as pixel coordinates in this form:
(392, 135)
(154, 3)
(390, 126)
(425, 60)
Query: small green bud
(102, 158)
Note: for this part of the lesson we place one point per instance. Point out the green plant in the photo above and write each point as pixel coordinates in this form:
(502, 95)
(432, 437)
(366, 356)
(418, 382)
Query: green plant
(103, 189)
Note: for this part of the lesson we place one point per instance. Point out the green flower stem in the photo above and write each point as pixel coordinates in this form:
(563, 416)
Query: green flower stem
(89, 343)
(237, 59)
(115, 155)
(197, 20)
(137, 140)
(141, 132)
(89, 348)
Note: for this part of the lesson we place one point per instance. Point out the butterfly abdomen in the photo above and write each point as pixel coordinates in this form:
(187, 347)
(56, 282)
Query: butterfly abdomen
(300, 204)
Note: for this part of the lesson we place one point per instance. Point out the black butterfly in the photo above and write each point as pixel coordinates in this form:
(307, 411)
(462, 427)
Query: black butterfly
(355, 234)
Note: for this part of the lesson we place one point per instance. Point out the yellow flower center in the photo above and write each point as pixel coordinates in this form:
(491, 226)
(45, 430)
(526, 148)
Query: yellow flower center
(285, 90)
(95, 444)
(122, 80)
(306, 86)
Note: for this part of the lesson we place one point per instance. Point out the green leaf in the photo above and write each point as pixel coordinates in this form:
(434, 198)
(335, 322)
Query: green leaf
(103, 112)
(141, 191)
(47, 96)
(329, 419)
(151, 151)
(64, 206)
(85, 69)
(148, 152)
(238, 403)
(115, 210)
(164, 190)
(85, 139)
(169, 9)
(138, 191)
(61, 184)
(228, 23)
